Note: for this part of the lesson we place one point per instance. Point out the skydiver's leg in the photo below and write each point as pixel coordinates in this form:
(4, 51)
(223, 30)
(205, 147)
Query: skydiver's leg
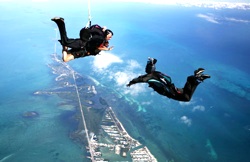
(192, 82)
(72, 54)
(65, 41)
(190, 87)
(61, 26)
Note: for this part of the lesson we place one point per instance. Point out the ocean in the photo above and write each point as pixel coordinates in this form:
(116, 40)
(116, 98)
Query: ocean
(213, 126)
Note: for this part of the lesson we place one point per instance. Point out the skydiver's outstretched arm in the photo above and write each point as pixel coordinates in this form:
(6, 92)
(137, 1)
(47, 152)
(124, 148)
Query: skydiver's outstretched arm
(140, 79)
(149, 69)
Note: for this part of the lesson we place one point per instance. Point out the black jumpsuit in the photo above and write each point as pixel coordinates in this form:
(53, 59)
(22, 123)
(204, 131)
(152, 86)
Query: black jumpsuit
(167, 88)
(88, 42)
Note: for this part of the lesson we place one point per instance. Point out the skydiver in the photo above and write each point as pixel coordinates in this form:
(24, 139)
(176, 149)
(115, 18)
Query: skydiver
(162, 83)
(92, 40)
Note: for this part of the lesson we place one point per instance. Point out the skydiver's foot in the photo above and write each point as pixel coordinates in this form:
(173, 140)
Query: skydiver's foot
(202, 77)
(57, 18)
(198, 72)
(153, 61)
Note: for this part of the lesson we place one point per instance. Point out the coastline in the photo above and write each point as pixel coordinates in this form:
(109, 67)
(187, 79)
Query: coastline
(101, 122)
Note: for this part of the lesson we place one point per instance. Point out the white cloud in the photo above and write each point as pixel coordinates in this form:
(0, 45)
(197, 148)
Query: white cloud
(216, 5)
(209, 17)
(237, 20)
(198, 107)
(186, 120)
(216, 20)
(187, 103)
(121, 78)
(120, 75)
(168, 2)
(195, 3)
(40, 0)
(132, 64)
(104, 60)
(136, 89)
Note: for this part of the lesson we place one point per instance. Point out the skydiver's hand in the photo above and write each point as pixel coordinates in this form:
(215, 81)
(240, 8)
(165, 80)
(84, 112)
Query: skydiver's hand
(106, 44)
(110, 48)
(128, 85)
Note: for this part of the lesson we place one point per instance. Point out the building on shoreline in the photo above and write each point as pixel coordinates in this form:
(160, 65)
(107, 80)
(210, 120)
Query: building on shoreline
(121, 142)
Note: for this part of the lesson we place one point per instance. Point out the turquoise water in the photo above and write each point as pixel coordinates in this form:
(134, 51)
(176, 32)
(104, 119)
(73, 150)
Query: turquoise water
(214, 126)
(44, 138)
(26, 45)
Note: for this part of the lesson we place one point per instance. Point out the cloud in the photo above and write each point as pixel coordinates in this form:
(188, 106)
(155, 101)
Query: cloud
(132, 64)
(195, 3)
(167, 2)
(103, 61)
(184, 119)
(215, 5)
(209, 17)
(198, 107)
(237, 20)
(186, 103)
(40, 0)
(121, 78)
(217, 20)
(121, 75)
(135, 90)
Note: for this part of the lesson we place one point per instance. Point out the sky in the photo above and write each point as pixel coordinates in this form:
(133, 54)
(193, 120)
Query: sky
(199, 3)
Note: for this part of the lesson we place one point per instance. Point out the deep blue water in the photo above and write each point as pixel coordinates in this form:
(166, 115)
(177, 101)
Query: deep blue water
(218, 115)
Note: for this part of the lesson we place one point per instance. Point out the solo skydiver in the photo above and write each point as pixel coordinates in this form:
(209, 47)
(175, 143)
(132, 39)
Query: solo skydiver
(162, 83)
